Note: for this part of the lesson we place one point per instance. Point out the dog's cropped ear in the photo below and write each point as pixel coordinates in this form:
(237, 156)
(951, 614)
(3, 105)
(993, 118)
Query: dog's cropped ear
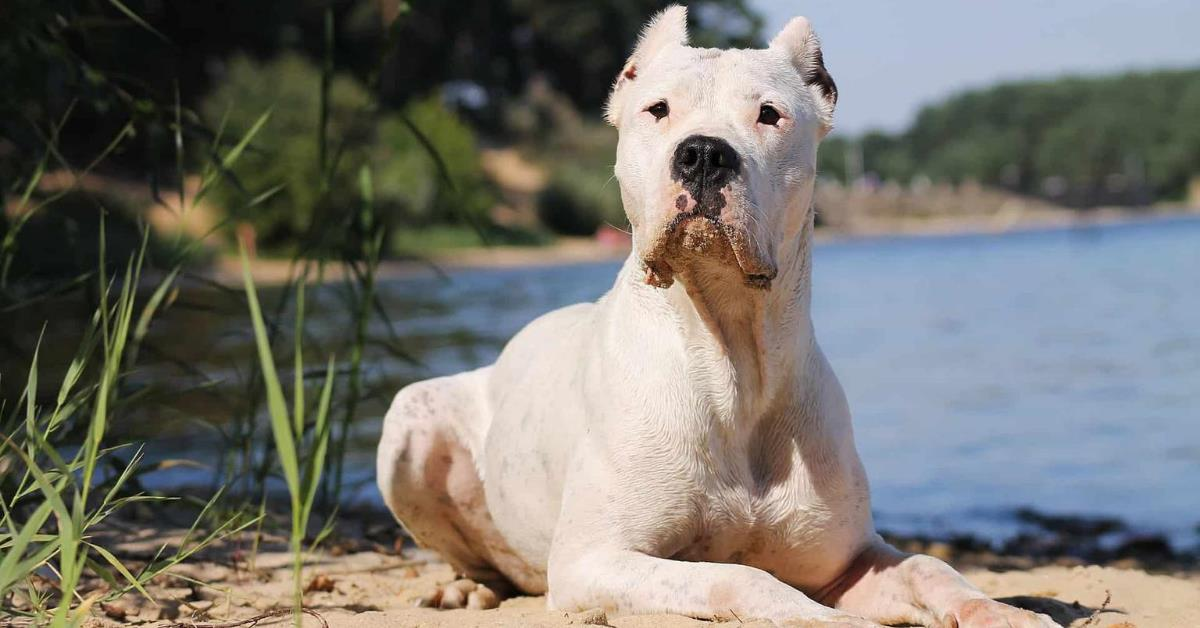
(665, 30)
(801, 45)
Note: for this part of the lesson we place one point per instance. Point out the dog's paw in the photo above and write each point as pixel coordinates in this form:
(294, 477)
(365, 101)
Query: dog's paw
(993, 614)
(462, 593)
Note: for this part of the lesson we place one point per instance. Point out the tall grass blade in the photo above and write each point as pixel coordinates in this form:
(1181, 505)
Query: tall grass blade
(298, 356)
(125, 573)
(320, 442)
(230, 158)
(137, 19)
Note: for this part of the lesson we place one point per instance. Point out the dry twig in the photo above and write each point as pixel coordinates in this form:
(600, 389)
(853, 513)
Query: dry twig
(1096, 614)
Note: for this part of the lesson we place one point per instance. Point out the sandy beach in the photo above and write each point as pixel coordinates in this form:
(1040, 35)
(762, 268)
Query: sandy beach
(369, 584)
(369, 589)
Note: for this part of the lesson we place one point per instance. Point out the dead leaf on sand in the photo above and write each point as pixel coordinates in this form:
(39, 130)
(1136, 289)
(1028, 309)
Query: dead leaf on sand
(320, 582)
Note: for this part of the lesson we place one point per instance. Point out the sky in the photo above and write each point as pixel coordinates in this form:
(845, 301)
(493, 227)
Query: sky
(890, 57)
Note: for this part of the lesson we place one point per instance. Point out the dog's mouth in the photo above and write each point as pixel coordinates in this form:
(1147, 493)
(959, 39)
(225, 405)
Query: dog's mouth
(693, 237)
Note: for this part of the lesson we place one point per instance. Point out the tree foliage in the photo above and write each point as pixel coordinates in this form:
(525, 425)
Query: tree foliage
(1128, 138)
(204, 71)
(413, 188)
(579, 46)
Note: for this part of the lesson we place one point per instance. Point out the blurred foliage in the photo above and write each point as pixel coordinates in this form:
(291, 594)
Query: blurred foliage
(56, 51)
(498, 45)
(189, 78)
(1130, 138)
(70, 108)
(409, 177)
(412, 188)
(285, 150)
(577, 151)
(69, 231)
(420, 241)
(580, 199)
(80, 57)
(577, 46)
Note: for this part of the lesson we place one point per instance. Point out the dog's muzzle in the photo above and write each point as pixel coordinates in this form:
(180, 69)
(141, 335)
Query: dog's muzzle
(692, 236)
(701, 227)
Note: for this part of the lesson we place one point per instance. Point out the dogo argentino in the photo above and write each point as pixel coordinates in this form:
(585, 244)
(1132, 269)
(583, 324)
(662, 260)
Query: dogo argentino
(682, 444)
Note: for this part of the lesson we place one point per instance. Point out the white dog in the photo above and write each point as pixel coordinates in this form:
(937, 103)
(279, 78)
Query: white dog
(681, 445)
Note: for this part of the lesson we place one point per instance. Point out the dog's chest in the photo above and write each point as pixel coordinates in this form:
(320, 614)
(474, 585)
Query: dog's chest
(800, 523)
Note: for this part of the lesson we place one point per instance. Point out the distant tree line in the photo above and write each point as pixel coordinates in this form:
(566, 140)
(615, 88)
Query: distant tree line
(1125, 139)
(88, 52)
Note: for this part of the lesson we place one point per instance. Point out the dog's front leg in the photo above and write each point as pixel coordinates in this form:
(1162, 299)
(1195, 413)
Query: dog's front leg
(890, 586)
(628, 582)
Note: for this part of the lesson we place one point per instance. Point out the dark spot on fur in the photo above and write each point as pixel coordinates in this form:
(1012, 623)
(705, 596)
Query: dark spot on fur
(681, 202)
(630, 72)
(817, 75)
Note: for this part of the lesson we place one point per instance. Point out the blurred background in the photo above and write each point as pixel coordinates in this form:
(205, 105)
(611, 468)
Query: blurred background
(1007, 277)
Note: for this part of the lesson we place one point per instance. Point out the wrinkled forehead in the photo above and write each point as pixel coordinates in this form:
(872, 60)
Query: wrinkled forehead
(714, 77)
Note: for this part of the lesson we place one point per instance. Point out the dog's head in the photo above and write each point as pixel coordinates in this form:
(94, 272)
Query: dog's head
(717, 151)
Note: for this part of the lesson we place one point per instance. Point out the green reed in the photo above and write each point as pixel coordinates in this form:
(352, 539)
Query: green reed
(51, 501)
(56, 489)
(301, 448)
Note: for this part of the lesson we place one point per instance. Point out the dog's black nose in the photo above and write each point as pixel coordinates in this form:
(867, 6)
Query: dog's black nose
(704, 162)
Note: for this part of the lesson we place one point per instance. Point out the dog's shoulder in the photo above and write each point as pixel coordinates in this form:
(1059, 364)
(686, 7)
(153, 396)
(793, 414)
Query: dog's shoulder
(556, 325)
(551, 337)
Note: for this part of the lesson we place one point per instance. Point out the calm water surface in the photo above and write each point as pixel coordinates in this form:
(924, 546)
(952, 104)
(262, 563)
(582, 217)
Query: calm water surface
(1058, 370)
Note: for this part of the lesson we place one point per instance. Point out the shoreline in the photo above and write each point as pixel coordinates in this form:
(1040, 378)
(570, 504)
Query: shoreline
(581, 250)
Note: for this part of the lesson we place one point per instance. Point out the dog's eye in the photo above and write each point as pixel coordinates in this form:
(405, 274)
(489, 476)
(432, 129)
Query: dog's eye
(768, 115)
(659, 110)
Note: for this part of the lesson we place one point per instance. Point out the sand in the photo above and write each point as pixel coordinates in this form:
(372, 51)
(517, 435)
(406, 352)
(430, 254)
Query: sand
(372, 589)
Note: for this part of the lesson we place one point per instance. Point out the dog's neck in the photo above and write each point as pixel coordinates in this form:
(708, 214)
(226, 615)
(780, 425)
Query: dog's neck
(746, 345)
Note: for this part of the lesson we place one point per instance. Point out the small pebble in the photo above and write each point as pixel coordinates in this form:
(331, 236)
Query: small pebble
(114, 611)
(320, 582)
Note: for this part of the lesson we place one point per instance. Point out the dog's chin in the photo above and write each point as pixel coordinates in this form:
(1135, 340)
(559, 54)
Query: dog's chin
(694, 241)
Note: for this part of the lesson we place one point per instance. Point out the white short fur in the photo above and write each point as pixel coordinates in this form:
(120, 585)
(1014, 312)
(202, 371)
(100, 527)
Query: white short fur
(684, 448)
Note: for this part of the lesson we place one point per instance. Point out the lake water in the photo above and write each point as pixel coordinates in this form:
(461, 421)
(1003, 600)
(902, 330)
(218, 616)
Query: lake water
(1058, 370)
(1055, 369)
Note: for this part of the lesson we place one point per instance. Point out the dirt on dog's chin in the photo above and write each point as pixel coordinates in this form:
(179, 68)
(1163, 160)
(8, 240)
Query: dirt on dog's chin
(692, 240)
